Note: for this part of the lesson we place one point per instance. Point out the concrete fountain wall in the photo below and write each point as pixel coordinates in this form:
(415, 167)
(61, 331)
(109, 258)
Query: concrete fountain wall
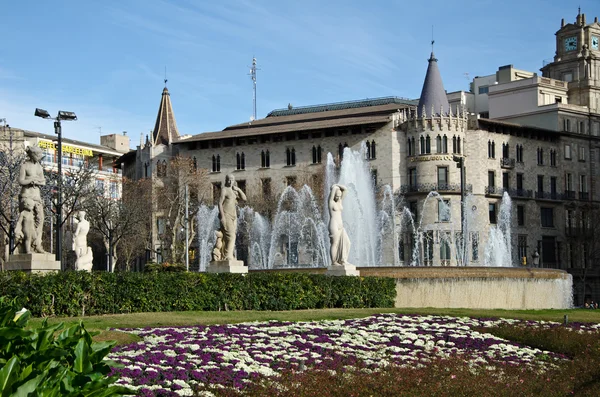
(473, 287)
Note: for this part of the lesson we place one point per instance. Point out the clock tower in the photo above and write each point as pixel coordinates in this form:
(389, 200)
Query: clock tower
(577, 61)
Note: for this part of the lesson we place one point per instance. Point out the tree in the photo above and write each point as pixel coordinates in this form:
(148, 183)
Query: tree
(12, 155)
(170, 198)
(123, 222)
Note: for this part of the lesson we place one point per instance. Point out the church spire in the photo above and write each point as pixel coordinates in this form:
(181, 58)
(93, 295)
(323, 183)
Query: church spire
(433, 98)
(165, 130)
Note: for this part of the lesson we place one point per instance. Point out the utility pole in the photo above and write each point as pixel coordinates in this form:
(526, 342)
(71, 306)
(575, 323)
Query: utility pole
(187, 231)
(252, 75)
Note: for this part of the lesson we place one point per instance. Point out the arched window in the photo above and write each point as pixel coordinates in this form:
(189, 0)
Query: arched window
(262, 159)
(243, 161)
(368, 153)
(444, 144)
(505, 150)
(438, 144)
(314, 154)
(493, 150)
(409, 147)
(340, 151)
(238, 161)
(454, 144)
(195, 162)
(267, 159)
(293, 156)
(414, 146)
(373, 151)
(218, 163)
(489, 149)
(422, 144)
(288, 156)
(427, 145)
(319, 154)
(214, 163)
(458, 145)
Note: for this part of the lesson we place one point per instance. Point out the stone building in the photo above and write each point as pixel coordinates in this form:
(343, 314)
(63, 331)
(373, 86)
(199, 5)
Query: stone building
(534, 139)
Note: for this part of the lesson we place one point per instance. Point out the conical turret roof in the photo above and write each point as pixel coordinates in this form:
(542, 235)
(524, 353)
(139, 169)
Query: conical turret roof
(165, 130)
(433, 95)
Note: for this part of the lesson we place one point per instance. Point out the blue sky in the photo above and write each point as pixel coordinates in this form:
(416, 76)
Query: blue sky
(105, 60)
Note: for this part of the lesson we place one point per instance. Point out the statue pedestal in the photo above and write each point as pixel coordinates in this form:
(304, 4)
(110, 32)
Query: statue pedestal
(39, 263)
(342, 270)
(227, 266)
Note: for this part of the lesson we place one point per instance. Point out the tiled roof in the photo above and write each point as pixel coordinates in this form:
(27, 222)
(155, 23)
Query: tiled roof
(342, 106)
(433, 95)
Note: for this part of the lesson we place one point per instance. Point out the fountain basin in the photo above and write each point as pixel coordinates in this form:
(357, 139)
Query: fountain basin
(472, 287)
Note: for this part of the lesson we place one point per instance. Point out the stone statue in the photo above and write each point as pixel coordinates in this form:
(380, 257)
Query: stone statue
(31, 219)
(217, 253)
(83, 252)
(228, 215)
(340, 243)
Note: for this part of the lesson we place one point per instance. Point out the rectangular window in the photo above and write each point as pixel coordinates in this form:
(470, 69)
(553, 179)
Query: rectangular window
(442, 178)
(100, 186)
(492, 213)
(519, 181)
(540, 183)
(444, 210)
(412, 178)
(581, 153)
(505, 180)
(583, 184)
(491, 179)
(567, 152)
(474, 246)
(521, 215)
(553, 158)
(553, 185)
(412, 206)
(581, 127)
(547, 215)
(522, 247)
(569, 182)
(484, 89)
(114, 190)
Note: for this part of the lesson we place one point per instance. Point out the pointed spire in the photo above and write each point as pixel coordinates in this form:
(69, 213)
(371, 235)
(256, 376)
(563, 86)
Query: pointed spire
(433, 94)
(165, 130)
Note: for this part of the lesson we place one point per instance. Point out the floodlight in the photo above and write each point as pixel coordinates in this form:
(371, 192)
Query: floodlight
(63, 115)
(42, 113)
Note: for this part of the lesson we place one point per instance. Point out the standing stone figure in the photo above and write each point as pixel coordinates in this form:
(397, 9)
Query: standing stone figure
(31, 219)
(228, 215)
(83, 253)
(340, 243)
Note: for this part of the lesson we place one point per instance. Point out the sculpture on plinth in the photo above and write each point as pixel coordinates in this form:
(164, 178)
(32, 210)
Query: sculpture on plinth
(29, 228)
(83, 252)
(223, 260)
(340, 242)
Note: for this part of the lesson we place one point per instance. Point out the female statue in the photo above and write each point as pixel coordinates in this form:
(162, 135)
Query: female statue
(31, 177)
(340, 243)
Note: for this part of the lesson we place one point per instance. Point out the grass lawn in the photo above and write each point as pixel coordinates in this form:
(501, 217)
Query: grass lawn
(138, 320)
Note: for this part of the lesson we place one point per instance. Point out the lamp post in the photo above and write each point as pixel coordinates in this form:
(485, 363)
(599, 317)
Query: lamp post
(460, 163)
(66, 116)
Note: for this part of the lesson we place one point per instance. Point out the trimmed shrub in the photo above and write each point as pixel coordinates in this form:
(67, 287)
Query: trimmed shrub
(83, 293)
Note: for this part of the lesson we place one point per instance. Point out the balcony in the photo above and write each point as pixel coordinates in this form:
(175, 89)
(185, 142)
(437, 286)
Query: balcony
(569, 195)
(549, 196)
(520, 193)
(572, 231)
(494, 190)
(430, 187)
(506, 162)
(584, 196)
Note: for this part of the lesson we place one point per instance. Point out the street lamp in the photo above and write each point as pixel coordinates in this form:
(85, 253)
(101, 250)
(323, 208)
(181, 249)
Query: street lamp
(460, 163)
(66, 116)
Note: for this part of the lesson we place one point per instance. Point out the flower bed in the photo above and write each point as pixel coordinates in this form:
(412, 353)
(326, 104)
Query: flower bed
(176, 360)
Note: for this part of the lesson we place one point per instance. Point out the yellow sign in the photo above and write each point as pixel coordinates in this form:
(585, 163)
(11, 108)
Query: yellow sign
(431, 158)
(66, 148)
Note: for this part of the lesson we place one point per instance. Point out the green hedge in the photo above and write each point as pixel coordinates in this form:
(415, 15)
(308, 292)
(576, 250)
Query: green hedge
(82, 293)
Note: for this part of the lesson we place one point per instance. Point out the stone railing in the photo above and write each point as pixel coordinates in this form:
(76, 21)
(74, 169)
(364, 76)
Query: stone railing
(506, 162)
(430, 187)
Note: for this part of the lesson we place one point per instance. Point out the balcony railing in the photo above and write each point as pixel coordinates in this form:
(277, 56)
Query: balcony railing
(584, 196)
(506, 162)
(520, 193)
(570, 195)
(573, 231)
(496, 190)
(549, 195)
(430, 187)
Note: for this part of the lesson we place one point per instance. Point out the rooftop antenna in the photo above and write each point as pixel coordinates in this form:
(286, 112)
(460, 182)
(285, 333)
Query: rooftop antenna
(99, 130)
(252, 75)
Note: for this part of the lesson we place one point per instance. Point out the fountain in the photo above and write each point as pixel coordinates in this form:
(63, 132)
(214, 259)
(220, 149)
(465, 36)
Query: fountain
(297, 240)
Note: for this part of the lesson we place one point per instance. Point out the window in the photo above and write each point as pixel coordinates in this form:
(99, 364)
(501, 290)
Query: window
(100, 186)
(567, 76)
(569, 182)
(341, 150)
(567, 125)
(409, 147)
(491, 179)
(444, 210)
(240, 161)
(567, 152)
(374, 177)
(540, 156)
(458, 145)
(438, 144)
(114, 190)
(454, 144)
(519, 182)
(445, 252)
(290, 156)
(241, 184)
(414, 147)
(583, 189)
(444, 144)
(521, 215)
(428, 248)
(505, 180)
(519, 153)
(216, 163)
(553, 186)
(195, 163)
(442, 178)
(427, 145)
(547, 216)
(371, 150)
(412, 178)
(522, 246)
(505, 150)
(492, 212)
(581, 127)
(491, 149)
(540, 183)
(581, 153)
(412, 207)
(422, 144)
(263, 159)
(266, 187)
(484, 89)
(552, 157)
(316, 154)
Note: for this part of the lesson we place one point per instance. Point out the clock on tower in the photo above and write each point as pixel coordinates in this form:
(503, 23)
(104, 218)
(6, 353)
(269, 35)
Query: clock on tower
(595, 42)
(571, 43)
